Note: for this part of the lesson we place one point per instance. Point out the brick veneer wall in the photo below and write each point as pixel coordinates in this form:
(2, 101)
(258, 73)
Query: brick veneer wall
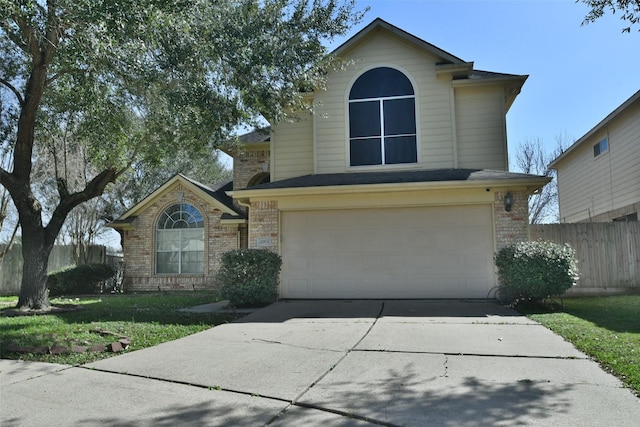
(139, 246)
(248, 164)
(263, 222)
(511, 227)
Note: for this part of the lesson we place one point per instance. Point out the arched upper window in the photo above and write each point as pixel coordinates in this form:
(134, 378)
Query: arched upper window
(261, 178)
(180, 240)
(382, 119)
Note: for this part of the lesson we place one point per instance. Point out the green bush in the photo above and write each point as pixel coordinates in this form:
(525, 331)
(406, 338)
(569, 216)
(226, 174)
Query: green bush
(535, 270)
(83, 279)
(249, 277)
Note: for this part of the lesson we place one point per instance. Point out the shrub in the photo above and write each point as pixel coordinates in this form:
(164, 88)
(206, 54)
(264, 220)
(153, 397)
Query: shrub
(535, 270)
(249, 277)
(83, 279)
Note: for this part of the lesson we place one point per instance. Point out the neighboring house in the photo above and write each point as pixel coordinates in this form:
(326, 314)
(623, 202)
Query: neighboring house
(396, 186)
(599, 175)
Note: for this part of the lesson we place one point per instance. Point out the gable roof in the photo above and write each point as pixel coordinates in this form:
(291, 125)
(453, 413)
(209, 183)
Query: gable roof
(257, 139)
(462, 72)
(381, 23)
(635, 98)
(216, 195)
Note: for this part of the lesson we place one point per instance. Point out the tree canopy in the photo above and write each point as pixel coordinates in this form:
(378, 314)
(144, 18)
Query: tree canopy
(134, 82)
(629, 11)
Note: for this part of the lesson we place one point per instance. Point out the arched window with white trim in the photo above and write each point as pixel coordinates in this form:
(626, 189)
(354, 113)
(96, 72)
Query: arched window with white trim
(382, 119)
(180, 240)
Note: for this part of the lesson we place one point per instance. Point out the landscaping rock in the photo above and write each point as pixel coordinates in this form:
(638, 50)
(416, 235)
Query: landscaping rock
(78, 349)
(59, 349)
(40, 350)
(115, 347)
(97, 348)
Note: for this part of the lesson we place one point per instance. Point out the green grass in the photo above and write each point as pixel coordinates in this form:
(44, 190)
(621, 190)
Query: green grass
(605, 328)
(147, 319)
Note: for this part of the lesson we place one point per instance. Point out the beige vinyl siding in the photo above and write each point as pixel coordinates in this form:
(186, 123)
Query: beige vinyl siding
(590, 186)
(292, 146)
(624, 148)
(584, 185)
(480, 127)
(432, 103)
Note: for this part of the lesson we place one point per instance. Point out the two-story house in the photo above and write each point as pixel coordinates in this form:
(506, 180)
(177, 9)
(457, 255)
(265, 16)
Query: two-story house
(396, 186)
(599, 175)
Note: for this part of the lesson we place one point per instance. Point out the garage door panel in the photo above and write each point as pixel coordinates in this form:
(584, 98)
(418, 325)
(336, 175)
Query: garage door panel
(435, 252)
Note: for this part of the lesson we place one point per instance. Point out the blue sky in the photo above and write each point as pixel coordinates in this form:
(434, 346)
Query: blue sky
(577, 74)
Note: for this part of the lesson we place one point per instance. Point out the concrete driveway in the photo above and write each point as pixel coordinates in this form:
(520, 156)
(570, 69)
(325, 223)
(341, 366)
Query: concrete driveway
(335, 363)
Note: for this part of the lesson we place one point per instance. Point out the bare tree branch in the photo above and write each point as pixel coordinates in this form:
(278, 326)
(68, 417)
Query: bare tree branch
(14, 90)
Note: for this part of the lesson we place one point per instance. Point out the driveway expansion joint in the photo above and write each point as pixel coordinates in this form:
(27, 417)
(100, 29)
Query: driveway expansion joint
(295, 401)
(295, 346)
(513, 356)
(187, 383)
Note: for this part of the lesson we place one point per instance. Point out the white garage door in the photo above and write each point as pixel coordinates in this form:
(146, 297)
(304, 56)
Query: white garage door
(434, 252)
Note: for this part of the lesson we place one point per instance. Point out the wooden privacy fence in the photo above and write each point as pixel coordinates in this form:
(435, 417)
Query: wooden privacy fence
(608, 253)
(61, 256)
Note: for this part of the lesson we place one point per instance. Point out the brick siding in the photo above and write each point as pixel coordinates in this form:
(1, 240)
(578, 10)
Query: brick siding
(511, 227)
(248, 164)
(139, 246)
(263, 223)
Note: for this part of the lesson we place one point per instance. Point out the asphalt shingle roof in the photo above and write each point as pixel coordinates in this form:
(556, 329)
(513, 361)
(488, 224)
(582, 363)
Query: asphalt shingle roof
(368, 178)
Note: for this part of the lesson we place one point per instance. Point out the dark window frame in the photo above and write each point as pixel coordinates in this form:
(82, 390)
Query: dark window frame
(601, 147)
(393, 143)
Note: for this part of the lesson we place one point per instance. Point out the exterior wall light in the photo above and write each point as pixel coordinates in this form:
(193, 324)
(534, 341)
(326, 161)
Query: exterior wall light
(508, 201)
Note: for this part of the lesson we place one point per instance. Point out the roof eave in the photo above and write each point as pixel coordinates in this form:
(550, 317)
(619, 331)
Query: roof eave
(613, 115)
(164, 187)
(513, 84)
(530, 184)
(380, 23)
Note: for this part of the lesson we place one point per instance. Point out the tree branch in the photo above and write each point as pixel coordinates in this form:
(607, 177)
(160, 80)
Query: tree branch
(57, 75)
(12, 36)
(32, 45)
(13, 89)
(94, 188)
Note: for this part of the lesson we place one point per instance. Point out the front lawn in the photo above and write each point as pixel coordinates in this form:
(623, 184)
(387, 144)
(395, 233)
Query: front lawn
(146, 319)
(605, 328)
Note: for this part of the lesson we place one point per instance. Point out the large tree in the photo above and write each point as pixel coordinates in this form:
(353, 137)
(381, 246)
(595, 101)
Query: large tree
(629, 11)
(137, 81)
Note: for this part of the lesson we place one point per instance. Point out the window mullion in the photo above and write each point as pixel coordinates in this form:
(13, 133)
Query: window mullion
(180, 253)
(382, 141)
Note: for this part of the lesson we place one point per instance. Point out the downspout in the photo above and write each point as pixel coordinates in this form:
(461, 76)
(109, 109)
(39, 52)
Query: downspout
(248, 206)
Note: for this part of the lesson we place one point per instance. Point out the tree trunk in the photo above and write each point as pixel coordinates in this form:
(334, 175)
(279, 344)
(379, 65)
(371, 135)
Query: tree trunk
(35, 253)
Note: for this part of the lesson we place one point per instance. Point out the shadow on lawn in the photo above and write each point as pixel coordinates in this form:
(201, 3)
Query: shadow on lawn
(616, 313)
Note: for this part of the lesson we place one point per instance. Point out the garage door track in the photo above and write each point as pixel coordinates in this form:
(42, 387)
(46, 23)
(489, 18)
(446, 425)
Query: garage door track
(396, 363)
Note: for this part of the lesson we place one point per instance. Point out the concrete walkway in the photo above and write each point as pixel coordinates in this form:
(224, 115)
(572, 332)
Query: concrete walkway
(335, 363)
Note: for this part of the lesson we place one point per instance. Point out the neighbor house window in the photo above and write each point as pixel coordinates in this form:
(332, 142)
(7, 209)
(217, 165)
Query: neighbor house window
(180, 241)
(382, 119)
(600, 147)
